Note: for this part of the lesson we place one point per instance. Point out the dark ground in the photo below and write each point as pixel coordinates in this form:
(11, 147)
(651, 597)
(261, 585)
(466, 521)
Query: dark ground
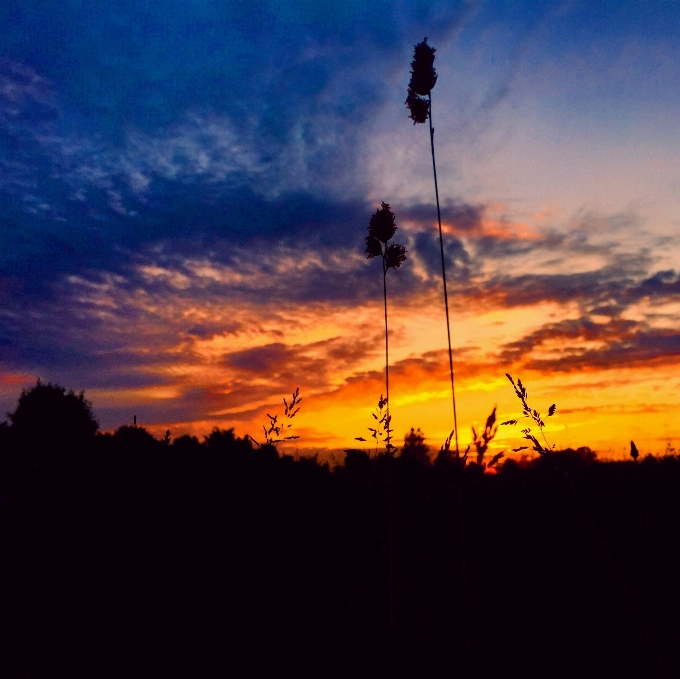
(135, 557)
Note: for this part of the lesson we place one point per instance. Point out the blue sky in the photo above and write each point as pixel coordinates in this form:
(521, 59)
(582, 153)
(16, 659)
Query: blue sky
(174, 174)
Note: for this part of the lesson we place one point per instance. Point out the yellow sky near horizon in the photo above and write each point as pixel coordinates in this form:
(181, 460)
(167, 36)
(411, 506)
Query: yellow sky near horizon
(336, 356)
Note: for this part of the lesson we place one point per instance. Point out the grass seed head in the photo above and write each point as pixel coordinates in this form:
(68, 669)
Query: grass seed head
(423, 75)
(373, 247)
(419, 108)
(423, 79)
(382, 225)
(394, 256)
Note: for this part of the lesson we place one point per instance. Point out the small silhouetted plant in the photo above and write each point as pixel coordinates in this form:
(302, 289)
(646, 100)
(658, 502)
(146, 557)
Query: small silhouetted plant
(275, 432)
(446, 455)
(382, 432)
(495, 459)
(482, 439)
(533, 415)
(381, 229)
(634, 451)
(423, 79)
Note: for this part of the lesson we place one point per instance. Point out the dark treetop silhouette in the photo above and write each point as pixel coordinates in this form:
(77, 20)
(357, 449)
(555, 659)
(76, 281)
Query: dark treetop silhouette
(49, 417)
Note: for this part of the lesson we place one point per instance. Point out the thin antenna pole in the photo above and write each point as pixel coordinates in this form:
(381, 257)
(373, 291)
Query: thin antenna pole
(446, 296)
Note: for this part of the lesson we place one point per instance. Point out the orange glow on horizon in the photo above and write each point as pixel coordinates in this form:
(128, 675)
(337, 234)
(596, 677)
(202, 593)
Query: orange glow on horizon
(245, 357)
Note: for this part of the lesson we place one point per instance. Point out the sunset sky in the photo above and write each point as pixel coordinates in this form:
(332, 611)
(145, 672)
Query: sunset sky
(185, 188)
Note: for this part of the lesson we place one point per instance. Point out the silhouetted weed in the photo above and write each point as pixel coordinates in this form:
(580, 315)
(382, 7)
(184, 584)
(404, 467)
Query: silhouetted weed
(382, 432)
(534, 416)
(482, 439)
(274, 434)
(381, 229)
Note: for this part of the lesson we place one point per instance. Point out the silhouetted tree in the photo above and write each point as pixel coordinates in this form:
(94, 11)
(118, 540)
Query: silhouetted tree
(134, 439)
(224, 441)
(47, 417)
(634, 451)
(186, 444)
(356, 461)
(415, 447)
(4, 433)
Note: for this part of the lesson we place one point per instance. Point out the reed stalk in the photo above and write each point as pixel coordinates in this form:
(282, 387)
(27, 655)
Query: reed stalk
(381, 229)
(423, 79)
(446, 296)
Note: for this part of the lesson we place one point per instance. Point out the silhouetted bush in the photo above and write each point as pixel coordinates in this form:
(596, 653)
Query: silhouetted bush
(132, 439)
(47, 417)
(225, 442)
(186, 445)
(415, 448)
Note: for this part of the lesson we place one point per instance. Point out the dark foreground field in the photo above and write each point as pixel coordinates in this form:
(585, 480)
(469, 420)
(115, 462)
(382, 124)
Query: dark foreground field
(133, 557)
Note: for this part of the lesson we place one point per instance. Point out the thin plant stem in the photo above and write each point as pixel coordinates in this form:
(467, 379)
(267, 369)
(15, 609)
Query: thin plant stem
(390, 564)
(387, 356)
(446, 296)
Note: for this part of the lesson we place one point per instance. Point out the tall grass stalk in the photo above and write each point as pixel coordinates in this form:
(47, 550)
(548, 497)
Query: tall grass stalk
(381, 229)
(423, 79)
(446, 296)
(387, 358)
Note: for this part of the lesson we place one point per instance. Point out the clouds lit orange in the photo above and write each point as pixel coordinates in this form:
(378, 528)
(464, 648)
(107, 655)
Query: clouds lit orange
(185, 238)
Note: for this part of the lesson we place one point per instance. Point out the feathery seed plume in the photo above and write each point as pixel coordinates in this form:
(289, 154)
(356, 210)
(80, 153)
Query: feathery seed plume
(373, 247)
(423, 79)
(382, 224)
(394, 256)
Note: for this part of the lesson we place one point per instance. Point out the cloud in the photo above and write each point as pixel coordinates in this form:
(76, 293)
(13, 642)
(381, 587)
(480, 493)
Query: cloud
(621, 280)
(314, 364)
(188, 123)
(26, 98)
(464, 218)
(581, 344)
(143, 63)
